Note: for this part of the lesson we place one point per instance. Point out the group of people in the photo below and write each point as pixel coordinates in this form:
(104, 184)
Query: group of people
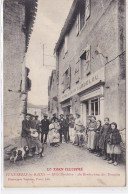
(102, 140)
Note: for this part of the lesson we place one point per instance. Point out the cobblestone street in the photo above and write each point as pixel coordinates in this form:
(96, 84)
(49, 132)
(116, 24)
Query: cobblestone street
(66, 156)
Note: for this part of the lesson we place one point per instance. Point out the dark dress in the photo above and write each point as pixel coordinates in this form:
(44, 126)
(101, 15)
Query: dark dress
(104, 135)
(97, 137)
(63, 130)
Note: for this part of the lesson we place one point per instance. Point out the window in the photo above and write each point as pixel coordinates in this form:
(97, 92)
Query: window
(87, 9)
(66, 79)
(83, 14)
(85, 62)
(77, 72)
(95, 107)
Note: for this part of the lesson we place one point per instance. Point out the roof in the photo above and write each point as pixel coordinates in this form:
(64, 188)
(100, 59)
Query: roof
(68, 23)
(30, 15)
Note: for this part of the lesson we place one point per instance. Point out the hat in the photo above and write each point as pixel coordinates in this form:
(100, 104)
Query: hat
(36, 116)
(54, 114)
(45, 115)
(29, 114)
(77, 114)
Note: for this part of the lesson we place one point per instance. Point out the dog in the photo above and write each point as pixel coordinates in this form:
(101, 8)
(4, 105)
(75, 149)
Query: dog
(19, 153)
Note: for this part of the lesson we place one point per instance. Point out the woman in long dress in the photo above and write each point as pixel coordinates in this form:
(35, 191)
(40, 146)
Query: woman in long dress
(54, 133)
(91, 134)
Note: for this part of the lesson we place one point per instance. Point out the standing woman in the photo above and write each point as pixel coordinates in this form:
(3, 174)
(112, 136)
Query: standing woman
(53, 133)
(97, 137)
(91, 134)
(56, 132)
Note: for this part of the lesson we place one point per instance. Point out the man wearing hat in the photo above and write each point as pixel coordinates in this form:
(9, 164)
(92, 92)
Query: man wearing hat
(36, 123)
(25, 133)
(63, 126)
(44, 129)
(54, 117)
(79, 128)
(67, 127)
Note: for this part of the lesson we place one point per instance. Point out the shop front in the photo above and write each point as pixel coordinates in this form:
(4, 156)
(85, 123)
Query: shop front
(86, 97)
(92, 103)
(66, 107)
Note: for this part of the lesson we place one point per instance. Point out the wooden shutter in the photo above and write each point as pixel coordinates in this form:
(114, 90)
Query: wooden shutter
(69, 78)
(77, 24)
(66, 44)
(77, 72)
(87, 9)
(62, 83)
(88, 59)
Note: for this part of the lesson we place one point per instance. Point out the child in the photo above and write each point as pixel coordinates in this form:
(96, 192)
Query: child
(97, 137)
(104, 133)
(113, 144)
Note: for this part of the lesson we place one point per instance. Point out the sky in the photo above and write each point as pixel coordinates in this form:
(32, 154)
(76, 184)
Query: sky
(50, 18)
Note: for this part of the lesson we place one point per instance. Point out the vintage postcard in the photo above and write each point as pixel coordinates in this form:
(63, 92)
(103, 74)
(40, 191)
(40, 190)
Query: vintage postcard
(64, 93)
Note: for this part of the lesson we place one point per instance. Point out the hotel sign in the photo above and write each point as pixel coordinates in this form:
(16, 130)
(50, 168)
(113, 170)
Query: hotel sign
(84, 84)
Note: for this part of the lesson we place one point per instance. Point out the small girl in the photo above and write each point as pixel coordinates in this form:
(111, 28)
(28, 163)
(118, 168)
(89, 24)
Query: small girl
(103, 137)
(113, 144)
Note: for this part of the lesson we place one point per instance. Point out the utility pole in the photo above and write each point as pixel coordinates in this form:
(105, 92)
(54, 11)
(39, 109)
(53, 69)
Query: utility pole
(47, 56)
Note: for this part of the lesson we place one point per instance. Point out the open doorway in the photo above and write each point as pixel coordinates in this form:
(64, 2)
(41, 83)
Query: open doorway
(66, 110)
(85, 112)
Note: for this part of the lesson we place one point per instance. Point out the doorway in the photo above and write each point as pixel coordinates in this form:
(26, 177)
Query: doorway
(85, 112)
(66, 110)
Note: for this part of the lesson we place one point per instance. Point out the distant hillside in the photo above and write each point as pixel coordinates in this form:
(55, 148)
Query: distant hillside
(30, 105)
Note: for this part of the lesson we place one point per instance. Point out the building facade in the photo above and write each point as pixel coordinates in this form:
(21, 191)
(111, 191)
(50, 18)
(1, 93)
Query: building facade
(90, 61)
(18, 19)
(52, 95)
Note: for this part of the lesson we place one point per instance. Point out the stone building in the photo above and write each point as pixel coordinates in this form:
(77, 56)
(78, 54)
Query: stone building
(52, 94)
(90, 61)
(18, 20)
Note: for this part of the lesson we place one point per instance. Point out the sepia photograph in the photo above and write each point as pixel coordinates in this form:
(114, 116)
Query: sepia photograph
(64, 93)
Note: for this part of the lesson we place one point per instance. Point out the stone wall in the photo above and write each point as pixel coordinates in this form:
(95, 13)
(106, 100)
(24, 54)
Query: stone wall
(14, 52)
(103, 32)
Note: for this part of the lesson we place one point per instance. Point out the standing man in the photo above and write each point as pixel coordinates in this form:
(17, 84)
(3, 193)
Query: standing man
(63, 128)
(54, 117)
(71, 128)
(37, 123)
(67, 127)
(26, 133)
(79, 128)
(44, 129)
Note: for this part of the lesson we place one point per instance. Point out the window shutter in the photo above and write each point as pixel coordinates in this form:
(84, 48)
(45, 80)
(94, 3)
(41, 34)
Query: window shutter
(69, 77)
(77, 72)
(77, 24)
(88, 59)
(87, 9)
(62, 83)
